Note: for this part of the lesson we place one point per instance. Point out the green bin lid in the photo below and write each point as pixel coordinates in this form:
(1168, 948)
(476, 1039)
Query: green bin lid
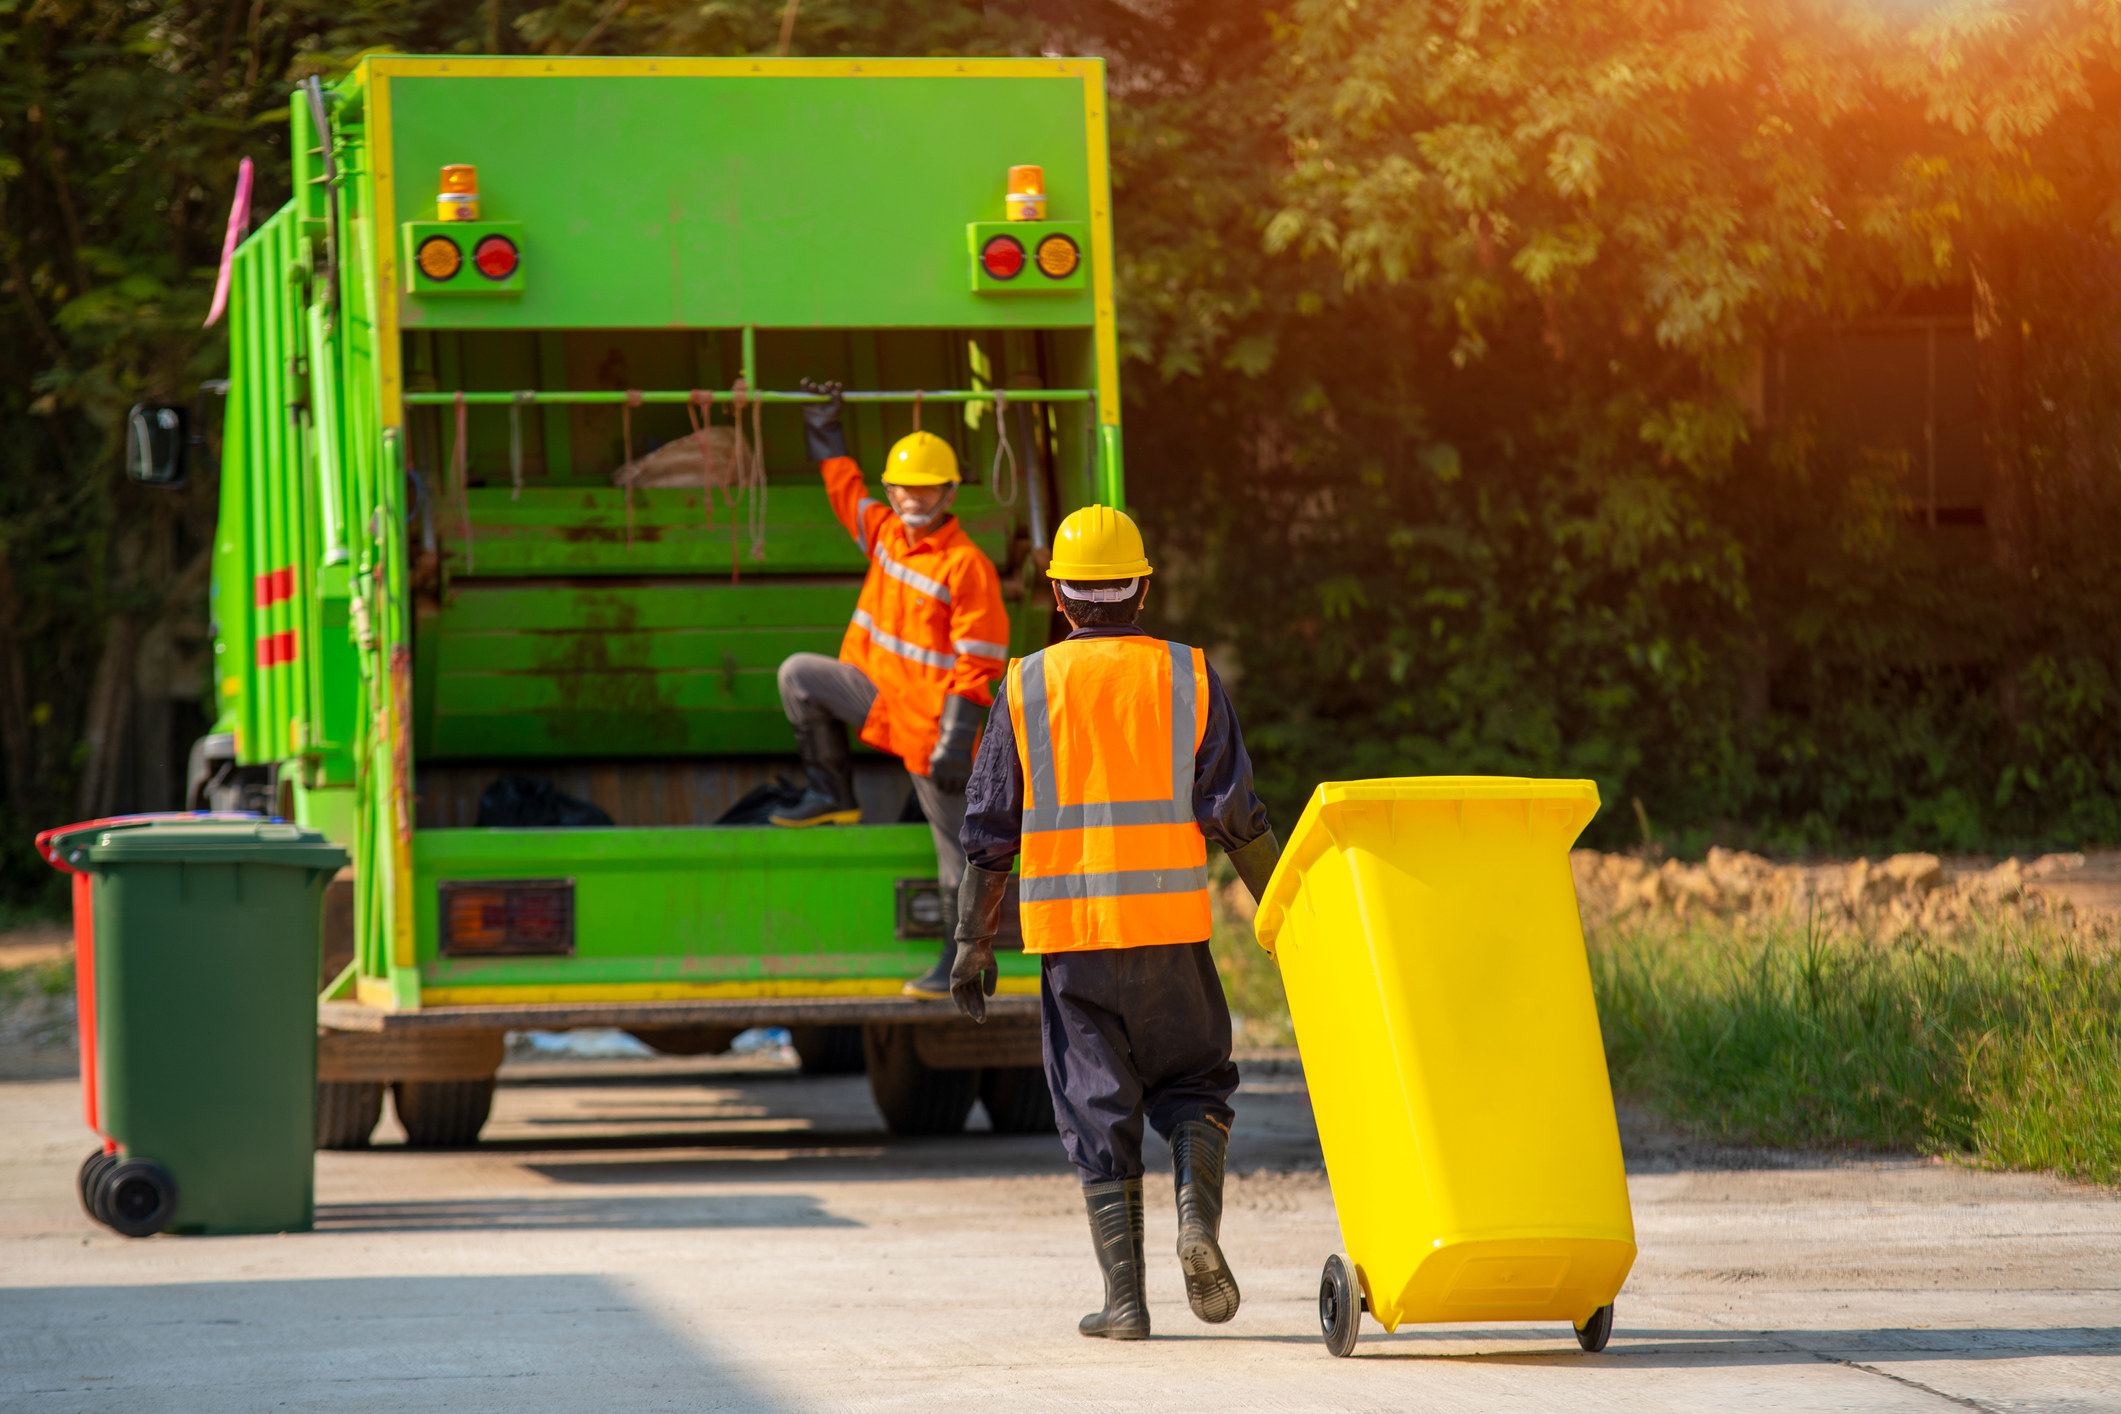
(205, 841)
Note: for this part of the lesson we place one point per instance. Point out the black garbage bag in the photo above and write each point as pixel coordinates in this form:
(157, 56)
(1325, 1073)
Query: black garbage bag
(533, 801)
(760, 802)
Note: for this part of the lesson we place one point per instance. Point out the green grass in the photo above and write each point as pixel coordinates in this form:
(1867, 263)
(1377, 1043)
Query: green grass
(1999, 1044)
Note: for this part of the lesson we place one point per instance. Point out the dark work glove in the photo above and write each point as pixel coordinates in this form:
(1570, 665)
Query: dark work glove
(822, 436)
(979, 918)
(1255, 862)
(950, 764)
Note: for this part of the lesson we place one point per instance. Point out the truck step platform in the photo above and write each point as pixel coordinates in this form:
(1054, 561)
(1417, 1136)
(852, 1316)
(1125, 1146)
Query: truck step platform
(711, 1011)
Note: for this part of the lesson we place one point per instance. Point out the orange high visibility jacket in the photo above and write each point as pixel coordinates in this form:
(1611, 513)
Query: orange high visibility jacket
(930, 621)
(1107, 730)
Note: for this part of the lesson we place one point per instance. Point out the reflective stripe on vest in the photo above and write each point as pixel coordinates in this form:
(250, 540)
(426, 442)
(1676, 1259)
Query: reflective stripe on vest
(891, 643)
(1106, 873)
(908, 576)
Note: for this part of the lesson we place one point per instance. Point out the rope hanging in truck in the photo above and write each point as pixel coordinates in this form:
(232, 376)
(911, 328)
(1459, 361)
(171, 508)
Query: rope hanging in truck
(633, 400)
(703, 398)
(457, 459)
(1001, 445)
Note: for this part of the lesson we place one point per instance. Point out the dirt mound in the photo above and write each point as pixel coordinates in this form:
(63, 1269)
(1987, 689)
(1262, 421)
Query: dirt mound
(1905, 891)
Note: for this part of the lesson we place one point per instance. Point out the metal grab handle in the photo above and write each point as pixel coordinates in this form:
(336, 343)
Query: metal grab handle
(957, 395)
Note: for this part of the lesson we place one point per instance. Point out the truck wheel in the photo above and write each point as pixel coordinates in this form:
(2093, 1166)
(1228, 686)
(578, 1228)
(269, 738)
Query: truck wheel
(1017, 1098)
(914, 1099)
(347, 1111)
(138, 1198)
(443, 1114)
(89, 1182)
(828, 1050)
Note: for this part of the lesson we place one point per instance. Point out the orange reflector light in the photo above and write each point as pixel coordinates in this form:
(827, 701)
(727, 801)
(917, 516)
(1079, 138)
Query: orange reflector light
(1058, 257)
(495, 257)
(1003, 257)
(440, 258)
(507, 918)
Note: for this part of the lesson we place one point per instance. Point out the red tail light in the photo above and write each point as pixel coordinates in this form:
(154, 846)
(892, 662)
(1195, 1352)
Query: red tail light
(1003, 257)
(507, 918)
(496, 257)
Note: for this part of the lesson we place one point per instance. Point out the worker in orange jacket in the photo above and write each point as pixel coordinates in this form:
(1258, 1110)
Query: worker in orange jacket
(928, 637)
(1110, 760)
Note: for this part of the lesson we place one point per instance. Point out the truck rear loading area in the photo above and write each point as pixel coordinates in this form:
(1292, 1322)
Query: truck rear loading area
(515, 486)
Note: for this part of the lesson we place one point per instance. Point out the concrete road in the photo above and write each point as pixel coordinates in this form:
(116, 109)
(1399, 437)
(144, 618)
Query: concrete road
(701, 1236)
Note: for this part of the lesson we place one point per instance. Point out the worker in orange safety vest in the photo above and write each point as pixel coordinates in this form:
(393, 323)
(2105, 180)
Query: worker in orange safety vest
(1110, 760)
(928, 637)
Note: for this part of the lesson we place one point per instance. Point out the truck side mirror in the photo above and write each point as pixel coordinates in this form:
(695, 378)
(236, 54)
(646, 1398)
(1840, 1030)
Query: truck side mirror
(155, 444)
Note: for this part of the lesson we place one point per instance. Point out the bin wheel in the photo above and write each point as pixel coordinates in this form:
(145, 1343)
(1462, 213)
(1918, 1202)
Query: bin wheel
(443, 1114)
(347, 1111)
(914, 1098)
(1017, 1098)
(828, 1050)
(138, 1198)
(89, 1182)
(1594, 1333)
(1339, 1306)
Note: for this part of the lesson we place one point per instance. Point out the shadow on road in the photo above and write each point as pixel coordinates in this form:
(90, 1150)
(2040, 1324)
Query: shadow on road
(566, 1340)
(1694, 1349)
(780, 1210)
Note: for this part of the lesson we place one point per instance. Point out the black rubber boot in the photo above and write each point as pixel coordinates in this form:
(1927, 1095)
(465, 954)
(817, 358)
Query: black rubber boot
(828, 769)
(1116, 1231)
(1198, 1151)
(934, 986)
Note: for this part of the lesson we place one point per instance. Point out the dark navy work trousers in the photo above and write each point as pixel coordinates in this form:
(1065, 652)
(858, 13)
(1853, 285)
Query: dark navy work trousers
(1129, 1033)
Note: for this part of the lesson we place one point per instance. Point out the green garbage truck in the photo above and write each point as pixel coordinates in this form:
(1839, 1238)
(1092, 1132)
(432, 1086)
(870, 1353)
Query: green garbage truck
(515, 505)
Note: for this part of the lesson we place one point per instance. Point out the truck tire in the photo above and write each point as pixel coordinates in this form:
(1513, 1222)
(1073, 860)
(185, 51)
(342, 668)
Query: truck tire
(347, 1111)
(1017, 1099)
(443, 1114)
(914, 1099)
(828, 1050)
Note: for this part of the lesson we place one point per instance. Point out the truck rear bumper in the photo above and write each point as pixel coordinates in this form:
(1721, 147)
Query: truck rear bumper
(706, 1011)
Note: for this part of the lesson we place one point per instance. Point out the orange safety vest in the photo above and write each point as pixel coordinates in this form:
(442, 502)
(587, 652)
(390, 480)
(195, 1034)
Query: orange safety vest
(1107, 730)
(929, 624)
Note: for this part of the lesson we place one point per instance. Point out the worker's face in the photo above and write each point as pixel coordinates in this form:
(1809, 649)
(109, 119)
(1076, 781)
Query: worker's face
(919, 506)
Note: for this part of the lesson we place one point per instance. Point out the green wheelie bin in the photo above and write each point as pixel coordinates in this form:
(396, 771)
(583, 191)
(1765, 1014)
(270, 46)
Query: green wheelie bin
(198, 988)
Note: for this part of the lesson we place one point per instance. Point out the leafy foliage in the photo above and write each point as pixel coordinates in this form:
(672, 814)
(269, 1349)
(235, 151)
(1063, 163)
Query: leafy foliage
(1445, 324)
(1484, 481)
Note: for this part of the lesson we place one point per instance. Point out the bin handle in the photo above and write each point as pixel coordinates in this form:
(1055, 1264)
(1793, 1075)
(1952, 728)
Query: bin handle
(47, 840)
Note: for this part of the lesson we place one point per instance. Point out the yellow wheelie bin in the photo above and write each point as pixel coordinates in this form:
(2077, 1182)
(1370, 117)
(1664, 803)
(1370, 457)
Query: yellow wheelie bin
(1428, 939)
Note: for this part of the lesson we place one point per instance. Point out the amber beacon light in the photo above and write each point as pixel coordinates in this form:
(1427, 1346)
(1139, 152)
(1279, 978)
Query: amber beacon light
(1027, 194)
(459, 198)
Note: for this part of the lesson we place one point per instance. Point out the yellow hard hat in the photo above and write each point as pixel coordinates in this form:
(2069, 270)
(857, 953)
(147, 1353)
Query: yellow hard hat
(921, 459)
(1098, 542)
